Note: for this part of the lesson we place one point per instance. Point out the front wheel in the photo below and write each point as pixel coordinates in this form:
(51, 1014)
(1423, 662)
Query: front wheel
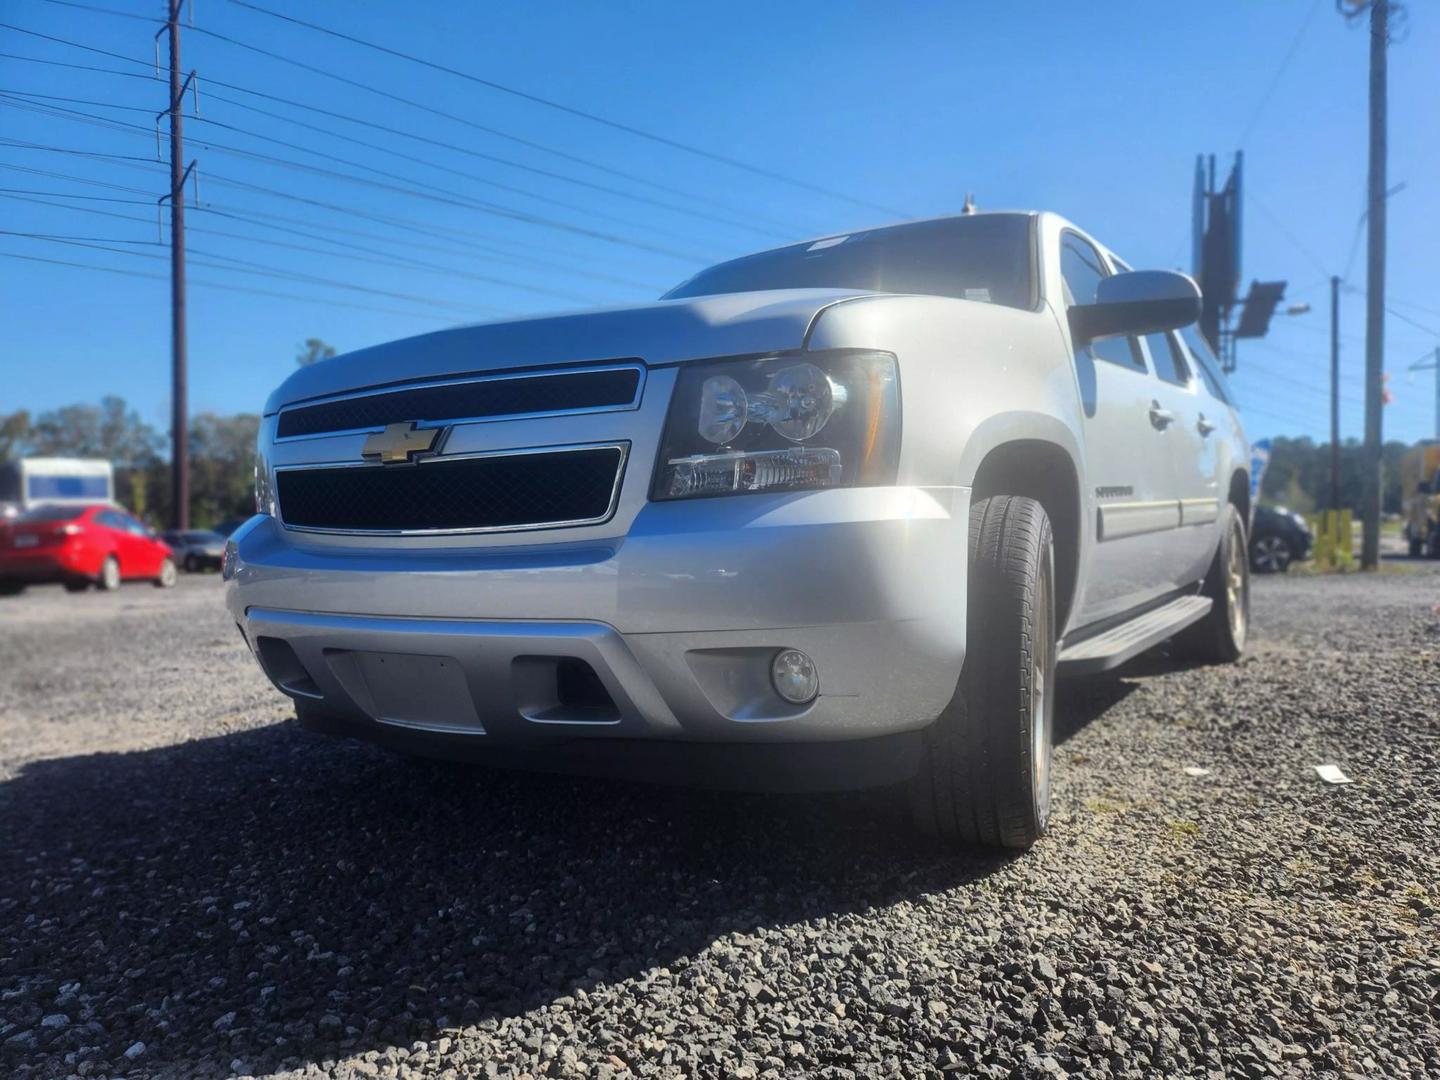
(11, 587)
(110, 574)
(1219, 638)
(1270, 554)
(985, 780)
(166, 577)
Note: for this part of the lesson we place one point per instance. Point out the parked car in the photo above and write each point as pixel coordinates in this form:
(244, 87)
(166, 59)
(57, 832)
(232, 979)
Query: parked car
(81, 546)
(229, 525)
(1278, 537)
(198, 549)
(834, 515)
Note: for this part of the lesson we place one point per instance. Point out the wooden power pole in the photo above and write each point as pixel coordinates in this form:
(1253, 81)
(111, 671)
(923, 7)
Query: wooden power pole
(1335, 393)
(1375, 288)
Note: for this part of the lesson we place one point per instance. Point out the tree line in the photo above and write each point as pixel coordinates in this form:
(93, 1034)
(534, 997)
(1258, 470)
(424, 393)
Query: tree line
(1299, 474)
(222, 456)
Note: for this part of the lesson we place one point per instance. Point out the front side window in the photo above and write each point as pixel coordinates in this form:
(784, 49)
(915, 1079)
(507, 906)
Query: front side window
(1081, 270)
(1205, 364)
(1165, 358)
(984, 257)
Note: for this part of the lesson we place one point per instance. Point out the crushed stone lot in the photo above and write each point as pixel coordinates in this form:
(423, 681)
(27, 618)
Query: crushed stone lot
(192, 887)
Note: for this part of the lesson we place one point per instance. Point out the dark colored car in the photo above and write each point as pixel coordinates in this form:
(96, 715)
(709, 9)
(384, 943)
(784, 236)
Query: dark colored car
(196, 549)
(81, 546)
(1278, 537)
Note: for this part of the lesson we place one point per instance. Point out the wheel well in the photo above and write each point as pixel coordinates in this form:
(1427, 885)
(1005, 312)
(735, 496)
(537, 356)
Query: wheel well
(1043, 472)
(1240, 495)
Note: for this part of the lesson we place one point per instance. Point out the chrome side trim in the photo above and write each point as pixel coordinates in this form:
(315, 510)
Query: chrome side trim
(1134, 518)
(531, 451)
(423, 384)
(1199, 511)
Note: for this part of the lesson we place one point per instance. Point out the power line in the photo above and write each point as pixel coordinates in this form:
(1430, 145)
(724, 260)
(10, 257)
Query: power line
(1274, 79)
(457, 147)
(9, 97)
(439, 195)
(224, 288)
(378, 258)
(617, 125)
(629, 177)
(245, 266)
(480, 240)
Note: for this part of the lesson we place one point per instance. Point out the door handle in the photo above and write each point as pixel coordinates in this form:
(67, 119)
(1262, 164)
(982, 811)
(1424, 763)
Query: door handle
(1161, 418)
(1204, 426)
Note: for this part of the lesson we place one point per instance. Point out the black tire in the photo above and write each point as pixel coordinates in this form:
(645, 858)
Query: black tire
(191, 566)
(109, 579)
(1270, 554)
(985, 779)
(77, 585)
(10, 587)
(1220, 637)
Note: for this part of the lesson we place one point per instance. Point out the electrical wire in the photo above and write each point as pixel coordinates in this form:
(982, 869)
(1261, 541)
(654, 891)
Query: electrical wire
(616, 125)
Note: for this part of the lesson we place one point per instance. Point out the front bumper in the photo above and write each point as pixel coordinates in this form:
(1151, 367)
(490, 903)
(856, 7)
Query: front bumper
(678, 621)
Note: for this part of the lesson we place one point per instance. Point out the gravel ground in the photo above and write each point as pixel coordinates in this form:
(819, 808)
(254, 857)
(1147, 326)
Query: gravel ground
(189, 886)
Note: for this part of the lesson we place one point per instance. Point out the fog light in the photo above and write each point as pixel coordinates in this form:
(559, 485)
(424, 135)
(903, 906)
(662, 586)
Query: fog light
(794, 676)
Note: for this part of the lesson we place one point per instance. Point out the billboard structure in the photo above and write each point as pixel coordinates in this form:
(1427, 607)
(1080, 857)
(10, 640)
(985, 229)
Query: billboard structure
(1216, 215)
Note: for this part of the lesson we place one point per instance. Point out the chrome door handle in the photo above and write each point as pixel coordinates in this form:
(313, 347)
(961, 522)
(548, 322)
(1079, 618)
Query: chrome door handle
(1161, 418)
(1204, 426)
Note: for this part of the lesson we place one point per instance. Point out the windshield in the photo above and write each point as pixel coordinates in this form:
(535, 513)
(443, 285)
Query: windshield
(984, 257)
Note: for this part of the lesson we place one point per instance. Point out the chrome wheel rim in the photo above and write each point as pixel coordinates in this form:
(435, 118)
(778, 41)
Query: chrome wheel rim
(1272, 554)
(1235, 585)
(167, 573)
(1041, 704)
(110, 574)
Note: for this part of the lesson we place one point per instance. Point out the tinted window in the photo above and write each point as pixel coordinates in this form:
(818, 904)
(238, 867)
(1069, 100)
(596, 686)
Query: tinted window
(53, 513)
(1081, 269)
(985, 257)
(202, 537)
(111, 520)
(1205, 364)
(1165, 358)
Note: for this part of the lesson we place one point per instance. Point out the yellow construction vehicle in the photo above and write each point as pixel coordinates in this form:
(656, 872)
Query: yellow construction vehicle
(1420, 490)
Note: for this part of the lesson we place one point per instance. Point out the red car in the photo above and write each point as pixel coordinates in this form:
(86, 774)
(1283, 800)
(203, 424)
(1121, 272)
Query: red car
(81, 546)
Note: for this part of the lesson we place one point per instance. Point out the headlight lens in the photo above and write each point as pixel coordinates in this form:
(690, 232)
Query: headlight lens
(781, 424)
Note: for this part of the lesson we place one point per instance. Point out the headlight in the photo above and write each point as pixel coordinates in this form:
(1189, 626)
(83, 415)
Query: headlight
(781, 424)
(264, 494)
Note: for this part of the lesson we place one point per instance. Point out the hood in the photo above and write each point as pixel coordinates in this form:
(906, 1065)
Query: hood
(733, 324)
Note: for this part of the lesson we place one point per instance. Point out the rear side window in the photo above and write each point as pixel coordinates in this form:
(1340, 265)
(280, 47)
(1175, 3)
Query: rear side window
(1166, 359)
(1081, 269)
(111, 520)
(1205, 364)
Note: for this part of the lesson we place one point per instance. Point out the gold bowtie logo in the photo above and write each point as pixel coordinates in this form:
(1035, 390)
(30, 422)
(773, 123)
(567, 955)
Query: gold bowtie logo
(400, 442)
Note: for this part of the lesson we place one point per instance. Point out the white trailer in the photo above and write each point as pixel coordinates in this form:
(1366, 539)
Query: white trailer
(38, 481)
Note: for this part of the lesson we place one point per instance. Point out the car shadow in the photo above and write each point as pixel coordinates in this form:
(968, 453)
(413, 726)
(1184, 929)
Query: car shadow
(279, 898)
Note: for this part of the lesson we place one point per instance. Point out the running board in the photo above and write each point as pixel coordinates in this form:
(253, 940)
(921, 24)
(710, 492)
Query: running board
(1118, 644)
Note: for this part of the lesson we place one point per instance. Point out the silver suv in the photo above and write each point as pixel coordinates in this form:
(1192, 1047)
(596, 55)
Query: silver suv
(829, 516)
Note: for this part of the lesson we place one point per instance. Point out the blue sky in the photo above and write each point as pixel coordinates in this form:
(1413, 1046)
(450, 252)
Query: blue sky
(1094, 110)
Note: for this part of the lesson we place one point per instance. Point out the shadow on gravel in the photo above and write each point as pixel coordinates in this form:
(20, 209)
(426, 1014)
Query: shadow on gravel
(273, 898)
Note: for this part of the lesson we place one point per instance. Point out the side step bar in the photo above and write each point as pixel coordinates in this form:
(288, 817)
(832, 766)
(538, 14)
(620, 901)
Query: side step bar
(1118, 644)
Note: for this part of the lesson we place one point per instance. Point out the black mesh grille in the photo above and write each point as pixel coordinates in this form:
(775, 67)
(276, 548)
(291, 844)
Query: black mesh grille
(454, 401)
(469, 493)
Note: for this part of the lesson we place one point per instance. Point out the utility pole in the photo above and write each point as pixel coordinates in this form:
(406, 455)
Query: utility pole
(1334, 393)
(1375, 287)
(179, 378)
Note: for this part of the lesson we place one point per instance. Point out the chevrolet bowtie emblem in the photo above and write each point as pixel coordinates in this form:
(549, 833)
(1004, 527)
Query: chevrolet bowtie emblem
(400, 442)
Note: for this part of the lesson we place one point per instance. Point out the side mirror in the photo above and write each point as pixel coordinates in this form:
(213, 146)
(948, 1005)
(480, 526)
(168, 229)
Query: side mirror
(1136, 302)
